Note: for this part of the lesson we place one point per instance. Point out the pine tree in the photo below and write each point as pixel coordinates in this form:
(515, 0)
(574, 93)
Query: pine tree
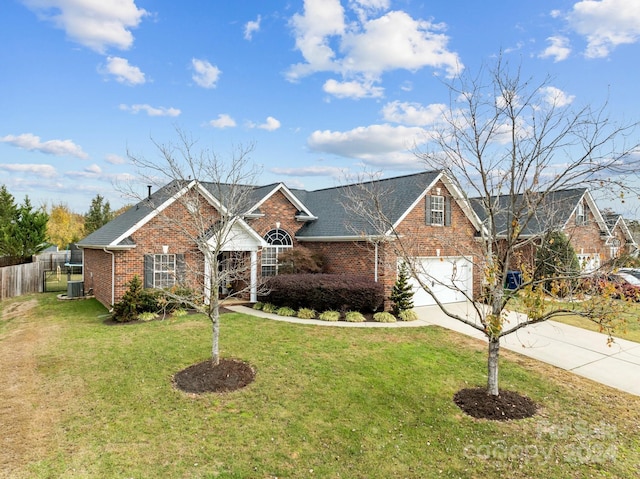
(99, 214)
(402, 292)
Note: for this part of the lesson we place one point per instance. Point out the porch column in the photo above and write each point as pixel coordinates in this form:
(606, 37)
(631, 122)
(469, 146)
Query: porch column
(253, 297)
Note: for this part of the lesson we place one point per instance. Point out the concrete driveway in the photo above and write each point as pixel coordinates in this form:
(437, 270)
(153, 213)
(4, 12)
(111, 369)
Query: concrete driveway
(578, 350)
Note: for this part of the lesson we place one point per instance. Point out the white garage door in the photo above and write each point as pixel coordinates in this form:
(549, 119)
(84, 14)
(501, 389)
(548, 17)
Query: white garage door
(447, 277)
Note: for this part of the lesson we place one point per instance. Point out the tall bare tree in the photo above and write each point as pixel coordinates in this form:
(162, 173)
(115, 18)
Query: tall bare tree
(213, 194)
(509, 145)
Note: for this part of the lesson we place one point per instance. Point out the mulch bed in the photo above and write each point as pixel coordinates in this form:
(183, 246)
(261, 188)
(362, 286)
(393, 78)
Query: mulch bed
(506, 406)
(228, 375)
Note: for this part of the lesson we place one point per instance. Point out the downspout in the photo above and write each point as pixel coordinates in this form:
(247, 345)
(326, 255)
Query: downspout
(375, 268)
(113, 277)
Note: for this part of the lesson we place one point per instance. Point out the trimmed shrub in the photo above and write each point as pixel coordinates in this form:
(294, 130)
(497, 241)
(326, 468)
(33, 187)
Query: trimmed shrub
(306, 313)
(269, 308)
(354, 317)
(384, 317)
(258, 306)
(285, 311)
(324, 292)
(407, 315)
(330, 316)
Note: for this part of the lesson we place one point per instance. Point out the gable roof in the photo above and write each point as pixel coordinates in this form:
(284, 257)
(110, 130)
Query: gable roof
(553, 212)
(335, 222)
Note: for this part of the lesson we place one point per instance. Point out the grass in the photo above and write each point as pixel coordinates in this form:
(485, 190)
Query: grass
(327, 402)
(629, 328)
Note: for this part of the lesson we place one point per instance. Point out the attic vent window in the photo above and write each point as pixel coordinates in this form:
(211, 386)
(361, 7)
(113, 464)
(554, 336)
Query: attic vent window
(581, 214)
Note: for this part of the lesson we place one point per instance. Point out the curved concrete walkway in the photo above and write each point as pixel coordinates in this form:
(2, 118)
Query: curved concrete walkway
(578, 350)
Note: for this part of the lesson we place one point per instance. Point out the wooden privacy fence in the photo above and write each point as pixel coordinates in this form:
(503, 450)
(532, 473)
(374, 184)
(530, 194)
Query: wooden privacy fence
(20, 279)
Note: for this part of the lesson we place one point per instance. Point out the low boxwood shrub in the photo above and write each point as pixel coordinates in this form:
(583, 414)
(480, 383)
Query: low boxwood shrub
(330, 316)
(285, 311)
(258, 306)
(384, 317)
(306, 313)
(354, 317)
(324, 292)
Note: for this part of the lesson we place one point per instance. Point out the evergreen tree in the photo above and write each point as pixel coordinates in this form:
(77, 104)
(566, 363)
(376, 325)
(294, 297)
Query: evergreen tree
(25, 233)
(99, 214)
(402, 292)
(556, 263)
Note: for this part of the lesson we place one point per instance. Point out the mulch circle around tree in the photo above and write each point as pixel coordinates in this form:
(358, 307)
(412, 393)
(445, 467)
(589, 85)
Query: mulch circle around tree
(506, 406)
(228, 375)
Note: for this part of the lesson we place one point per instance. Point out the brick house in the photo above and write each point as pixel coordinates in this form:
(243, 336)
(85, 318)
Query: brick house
(439, 229)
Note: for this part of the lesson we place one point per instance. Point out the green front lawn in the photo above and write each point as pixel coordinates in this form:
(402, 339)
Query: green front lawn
(327, 402)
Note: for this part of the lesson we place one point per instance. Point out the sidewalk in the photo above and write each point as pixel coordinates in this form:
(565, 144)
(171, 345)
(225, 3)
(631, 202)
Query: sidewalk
(578, 350)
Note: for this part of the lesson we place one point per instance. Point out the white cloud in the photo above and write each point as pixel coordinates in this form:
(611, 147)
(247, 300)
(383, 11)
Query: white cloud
(270, 124)
(124, 73)
(352, 89)
(556, 97)
(374, 144)
(114, 159)
(559, 48)
(605, 24)
(95, 24)
(321, 20)
(42, 171)
(413, 114)
(90, 172)
(206, 75)
(367, 47)
(223, 121)
(150, 110)
(251, 27)
(31, 142)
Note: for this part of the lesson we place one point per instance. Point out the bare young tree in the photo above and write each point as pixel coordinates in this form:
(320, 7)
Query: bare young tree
(508, 146)
(209, 197)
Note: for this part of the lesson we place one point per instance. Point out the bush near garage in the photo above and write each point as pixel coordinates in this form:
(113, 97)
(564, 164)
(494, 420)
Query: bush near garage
(323, 292)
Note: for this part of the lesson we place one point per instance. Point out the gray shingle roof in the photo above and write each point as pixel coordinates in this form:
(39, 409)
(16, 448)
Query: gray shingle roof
(327, 205)
(397, 195)
(552, 213)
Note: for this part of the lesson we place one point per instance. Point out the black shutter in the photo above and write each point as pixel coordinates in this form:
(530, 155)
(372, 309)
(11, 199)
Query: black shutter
(181, 269)
(148, 271)
(447, 211)
(427, 209)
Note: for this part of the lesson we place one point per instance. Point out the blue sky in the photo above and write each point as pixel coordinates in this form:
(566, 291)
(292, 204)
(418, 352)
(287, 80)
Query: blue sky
(323, 88)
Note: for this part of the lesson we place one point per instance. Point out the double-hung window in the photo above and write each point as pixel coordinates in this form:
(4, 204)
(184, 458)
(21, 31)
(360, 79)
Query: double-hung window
(438, 210)
(163, 270)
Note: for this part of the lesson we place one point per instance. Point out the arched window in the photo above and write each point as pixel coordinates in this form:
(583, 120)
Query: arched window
(278, 240)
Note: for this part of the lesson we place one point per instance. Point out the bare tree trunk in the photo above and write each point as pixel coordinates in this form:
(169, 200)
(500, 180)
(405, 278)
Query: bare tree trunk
(215, 327)
(492, 366)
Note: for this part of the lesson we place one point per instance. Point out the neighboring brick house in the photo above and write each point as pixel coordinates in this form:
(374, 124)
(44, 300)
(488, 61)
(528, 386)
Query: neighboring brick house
(438, 229)
(571, 211)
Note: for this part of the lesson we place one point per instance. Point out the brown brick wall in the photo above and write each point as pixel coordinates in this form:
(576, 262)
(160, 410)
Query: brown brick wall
(587, 238)
(97, 274)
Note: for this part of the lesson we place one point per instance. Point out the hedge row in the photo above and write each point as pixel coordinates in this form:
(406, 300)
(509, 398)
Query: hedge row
(324, 292)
